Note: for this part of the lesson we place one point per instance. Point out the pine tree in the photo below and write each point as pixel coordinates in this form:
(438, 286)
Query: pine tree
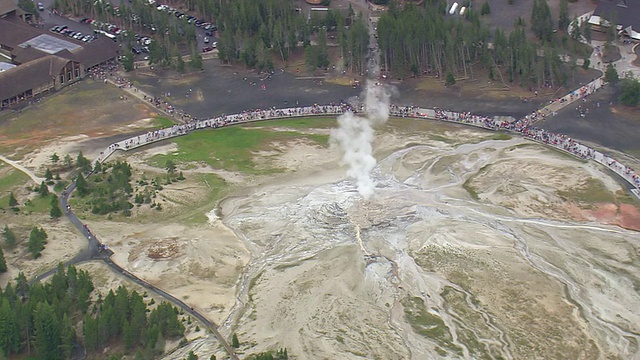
(611, 75)
(563, 16)
(47, 332)
(48, 175)
(234, 341)
(139, 355)
(9, 329)
(55, 211)
(9, 237)
(83, 163)
(67, 336)
(450, 79)
(90, 332)
(36, 242)
(3, 264)
(192, 356)
(81, 185)
(180, 66)
(68, 162)
(322, 60)
(12, 200)
(485, 9)
(54, 158)
(195, 62)
(43, 190)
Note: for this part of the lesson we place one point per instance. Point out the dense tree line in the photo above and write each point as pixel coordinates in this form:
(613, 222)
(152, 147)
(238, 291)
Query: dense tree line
(40, 318)
(122, 316)
(250, 30)
(271, 355)
(417, 40)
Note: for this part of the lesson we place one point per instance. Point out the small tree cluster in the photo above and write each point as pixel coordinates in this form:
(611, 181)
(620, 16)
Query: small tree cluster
(55, 211)
(37, 241)
(630, 92)
(3, 262)
(9, 237)
(122, 316)
(270, 355)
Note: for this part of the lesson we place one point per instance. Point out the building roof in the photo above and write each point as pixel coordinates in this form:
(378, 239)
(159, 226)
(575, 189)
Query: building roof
(96, 52)
(14, 32)
(6, 66)
(30, 75)
(22, 55)
(624, 12)
(7, 6)
(30, 43)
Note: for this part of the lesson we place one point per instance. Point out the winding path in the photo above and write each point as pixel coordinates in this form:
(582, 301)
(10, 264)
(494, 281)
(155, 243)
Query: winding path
(28, 172)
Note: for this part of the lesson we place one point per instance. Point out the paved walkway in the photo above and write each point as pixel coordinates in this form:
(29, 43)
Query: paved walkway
(29, 173)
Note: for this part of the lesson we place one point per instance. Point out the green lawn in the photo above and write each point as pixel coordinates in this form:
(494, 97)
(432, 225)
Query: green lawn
(297, 123)
(8, 182)
(231, 148)
(162, 122)
(38, 204)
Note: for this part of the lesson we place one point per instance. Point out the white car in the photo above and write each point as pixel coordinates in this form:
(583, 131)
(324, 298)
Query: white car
(206, 40)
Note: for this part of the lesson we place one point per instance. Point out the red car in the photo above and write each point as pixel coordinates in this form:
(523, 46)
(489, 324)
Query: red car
(207, 49)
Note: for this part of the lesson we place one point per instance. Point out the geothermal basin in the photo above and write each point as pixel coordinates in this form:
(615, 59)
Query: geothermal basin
(472, 245)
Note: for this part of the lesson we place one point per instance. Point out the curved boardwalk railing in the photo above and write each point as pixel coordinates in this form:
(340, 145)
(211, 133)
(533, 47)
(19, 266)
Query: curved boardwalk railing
(522, 127)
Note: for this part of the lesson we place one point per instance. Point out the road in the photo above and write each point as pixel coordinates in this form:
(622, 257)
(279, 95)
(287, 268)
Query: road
(97, 251)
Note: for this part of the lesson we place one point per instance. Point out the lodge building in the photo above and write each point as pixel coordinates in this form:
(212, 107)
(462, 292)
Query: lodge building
(36, 61)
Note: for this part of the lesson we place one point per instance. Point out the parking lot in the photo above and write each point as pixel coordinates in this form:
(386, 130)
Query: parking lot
(88, 29)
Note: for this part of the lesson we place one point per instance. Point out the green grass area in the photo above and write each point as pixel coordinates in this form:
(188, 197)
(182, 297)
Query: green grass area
(218, 189)
(593, 191)
(162, 122)
(38, 204)
(10, 180)
(456, 304)
(320, 122)
(428, 324)
(501, 136)
(230, 148)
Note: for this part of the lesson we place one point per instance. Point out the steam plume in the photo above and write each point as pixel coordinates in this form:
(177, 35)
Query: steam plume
(355, 136)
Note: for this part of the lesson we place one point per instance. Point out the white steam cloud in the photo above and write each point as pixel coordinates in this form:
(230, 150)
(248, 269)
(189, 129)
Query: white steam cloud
(355, 136)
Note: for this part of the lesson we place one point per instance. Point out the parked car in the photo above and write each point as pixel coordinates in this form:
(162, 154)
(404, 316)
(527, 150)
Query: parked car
(206, 40)
(40, 6)
(207, 49)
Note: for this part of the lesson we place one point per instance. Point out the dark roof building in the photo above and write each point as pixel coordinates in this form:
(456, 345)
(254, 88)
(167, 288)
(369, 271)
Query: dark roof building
(625, 14)
(10, 9)
(45, 61)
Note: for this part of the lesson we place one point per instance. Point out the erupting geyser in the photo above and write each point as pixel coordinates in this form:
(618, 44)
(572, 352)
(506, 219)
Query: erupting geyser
(355, 136)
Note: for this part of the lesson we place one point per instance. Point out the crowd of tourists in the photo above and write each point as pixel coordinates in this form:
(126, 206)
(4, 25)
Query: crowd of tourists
(523, 126)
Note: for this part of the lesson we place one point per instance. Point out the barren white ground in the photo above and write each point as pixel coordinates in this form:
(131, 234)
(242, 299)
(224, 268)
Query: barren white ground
(422, 270)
